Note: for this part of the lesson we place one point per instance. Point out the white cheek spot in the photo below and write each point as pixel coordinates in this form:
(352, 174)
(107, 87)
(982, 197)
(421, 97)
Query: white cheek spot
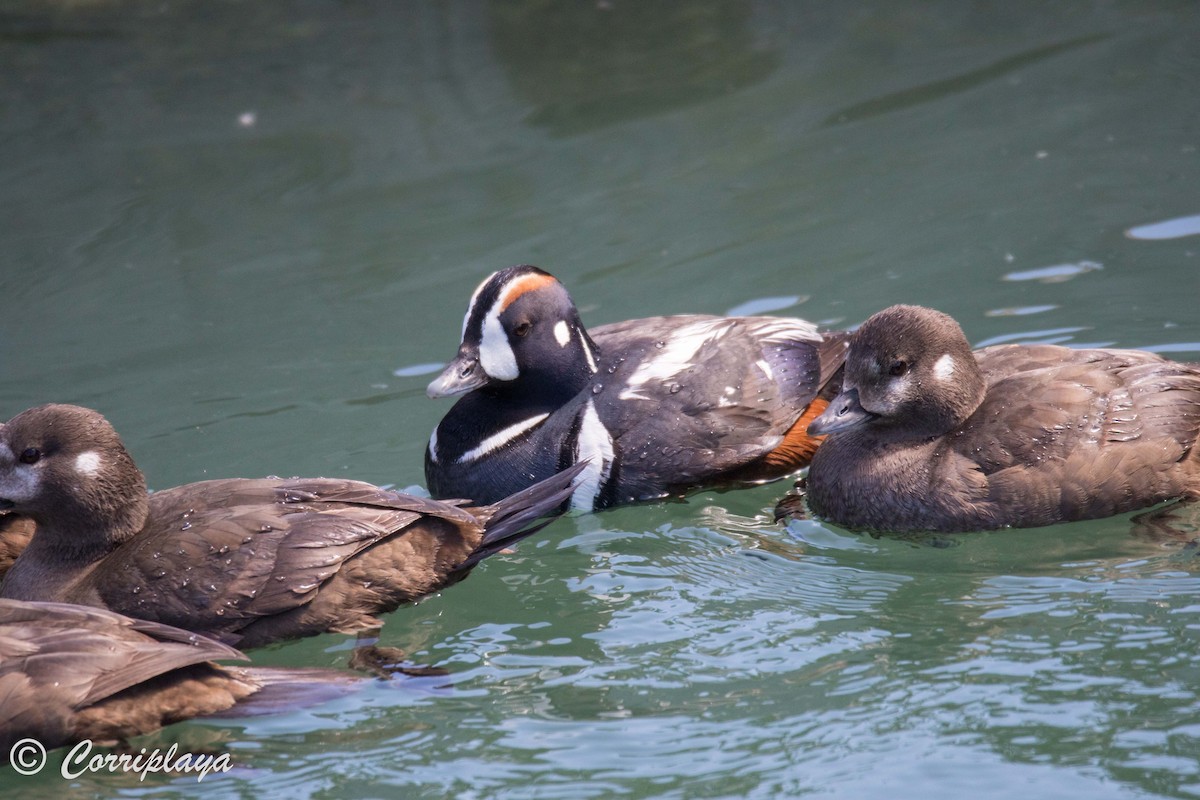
(496, 355)
(943, 368)
(562, 334)
(87, 463)
(501, 438)
(595, 443)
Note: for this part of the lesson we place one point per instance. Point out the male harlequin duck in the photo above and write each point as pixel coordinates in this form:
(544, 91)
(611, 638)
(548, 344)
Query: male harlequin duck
(69, 673)
(246, 561)
(927, 435)
(654, 407)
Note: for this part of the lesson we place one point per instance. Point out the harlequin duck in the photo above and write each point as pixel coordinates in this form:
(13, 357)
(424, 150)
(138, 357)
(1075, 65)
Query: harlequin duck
(655, 407)
(69, 673)
(246, 561)
(927, 435)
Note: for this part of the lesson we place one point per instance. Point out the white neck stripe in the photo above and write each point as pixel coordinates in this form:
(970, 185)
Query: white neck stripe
(502, 437)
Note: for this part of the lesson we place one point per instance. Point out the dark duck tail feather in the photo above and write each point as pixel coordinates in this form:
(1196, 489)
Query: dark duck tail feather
(509, 520)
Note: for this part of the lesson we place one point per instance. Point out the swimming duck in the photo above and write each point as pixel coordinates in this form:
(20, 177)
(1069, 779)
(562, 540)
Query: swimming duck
(246, 561)
(658, 406)
(69, 673)
(927, 435)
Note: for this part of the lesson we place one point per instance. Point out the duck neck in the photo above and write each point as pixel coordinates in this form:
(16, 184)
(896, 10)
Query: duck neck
(71, 542)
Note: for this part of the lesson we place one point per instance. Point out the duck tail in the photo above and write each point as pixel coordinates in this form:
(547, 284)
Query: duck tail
(521, 514)
(283, 689)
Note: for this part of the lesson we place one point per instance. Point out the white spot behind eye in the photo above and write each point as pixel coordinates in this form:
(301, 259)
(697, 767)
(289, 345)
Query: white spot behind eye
(943, 368)
(562, 333)
(87, 463)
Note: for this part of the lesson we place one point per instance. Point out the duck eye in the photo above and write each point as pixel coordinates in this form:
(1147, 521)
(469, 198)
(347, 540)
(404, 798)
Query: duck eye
(897, 368)
(523, 329)
(30, 455)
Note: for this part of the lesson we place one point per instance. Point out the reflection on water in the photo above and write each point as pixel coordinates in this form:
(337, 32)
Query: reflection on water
(582, 66)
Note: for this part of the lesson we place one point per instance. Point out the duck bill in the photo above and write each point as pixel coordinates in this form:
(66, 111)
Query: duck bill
(844, 412)
(460, 376)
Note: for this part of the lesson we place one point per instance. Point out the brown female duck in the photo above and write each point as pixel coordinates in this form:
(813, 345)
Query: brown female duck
(245, 561)
(69, 673)
(927, 435)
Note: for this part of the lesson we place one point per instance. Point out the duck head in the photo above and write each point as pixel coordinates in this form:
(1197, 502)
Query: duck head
(910, 374)
(521, 330)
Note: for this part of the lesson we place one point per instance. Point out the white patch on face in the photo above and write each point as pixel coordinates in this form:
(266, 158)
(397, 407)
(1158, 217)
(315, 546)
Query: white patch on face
(943, 368)
(562, 333)
(87, 463)
(501, 438)
(433, 456)
(677, 354)
(496, 355)
(595, 443)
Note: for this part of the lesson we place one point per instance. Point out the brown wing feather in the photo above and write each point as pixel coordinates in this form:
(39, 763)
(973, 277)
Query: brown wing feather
(228, 552)
(57, 658)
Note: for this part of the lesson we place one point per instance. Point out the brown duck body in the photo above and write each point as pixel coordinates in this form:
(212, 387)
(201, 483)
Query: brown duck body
(1013, 435)
(69, 673)
(246, 561)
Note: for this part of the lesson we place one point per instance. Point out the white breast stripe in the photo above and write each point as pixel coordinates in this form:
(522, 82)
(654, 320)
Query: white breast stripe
(497, 440)
(676, 355)
(595, 443)
(433, 456)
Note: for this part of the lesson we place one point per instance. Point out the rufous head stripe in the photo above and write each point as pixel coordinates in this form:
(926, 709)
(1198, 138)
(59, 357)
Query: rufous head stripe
(526, 283)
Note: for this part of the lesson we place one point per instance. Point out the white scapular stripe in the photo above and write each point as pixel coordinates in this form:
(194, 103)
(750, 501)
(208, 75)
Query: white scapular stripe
(499, 439)
(676, 355)
(433, 456)
(595, 443)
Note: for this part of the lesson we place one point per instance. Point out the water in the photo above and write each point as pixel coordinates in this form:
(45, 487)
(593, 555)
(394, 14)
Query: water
(247, 233)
